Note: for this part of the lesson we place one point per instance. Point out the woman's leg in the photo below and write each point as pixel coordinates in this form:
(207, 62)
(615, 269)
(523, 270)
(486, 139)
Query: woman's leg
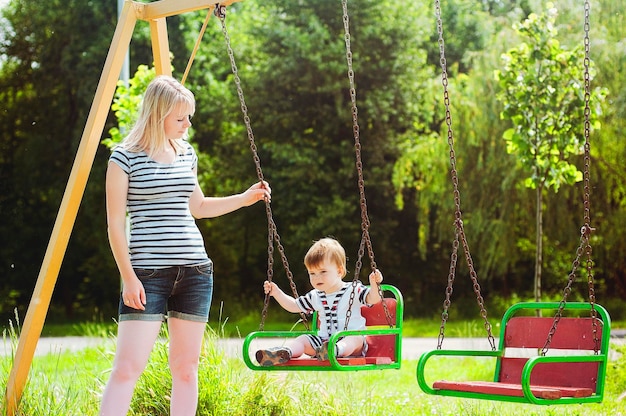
(185, 346)
(135, 340)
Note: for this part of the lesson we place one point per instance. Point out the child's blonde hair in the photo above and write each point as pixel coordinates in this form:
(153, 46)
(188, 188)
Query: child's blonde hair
(163, 94)
(326, 248)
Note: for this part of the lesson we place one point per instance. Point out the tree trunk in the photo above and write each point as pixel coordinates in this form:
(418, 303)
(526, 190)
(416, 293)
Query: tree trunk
(539, 246)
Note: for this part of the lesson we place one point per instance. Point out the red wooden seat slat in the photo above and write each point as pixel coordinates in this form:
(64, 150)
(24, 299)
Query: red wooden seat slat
(502, 389)
(571, 374)
(382, 346)
(343, 361)
(512, 389)
(572, 334)
(532, 331)
(375, 315)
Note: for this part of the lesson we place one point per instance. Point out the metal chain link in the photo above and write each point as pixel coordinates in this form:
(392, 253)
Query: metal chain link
(366, 241)
(586, 230)
(273, 236)
(458, 223)
(449, 290)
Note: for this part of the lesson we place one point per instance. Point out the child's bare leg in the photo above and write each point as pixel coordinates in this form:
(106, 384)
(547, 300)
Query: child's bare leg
(280, 355)
(349, 346)
(301, 345)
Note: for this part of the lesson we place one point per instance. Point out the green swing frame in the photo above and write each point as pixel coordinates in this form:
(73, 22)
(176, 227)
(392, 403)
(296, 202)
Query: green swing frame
(576, 375)
(385, 343)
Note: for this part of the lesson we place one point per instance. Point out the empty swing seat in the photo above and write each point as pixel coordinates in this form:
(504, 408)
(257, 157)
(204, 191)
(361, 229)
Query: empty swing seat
(570, 372)
(384, 341)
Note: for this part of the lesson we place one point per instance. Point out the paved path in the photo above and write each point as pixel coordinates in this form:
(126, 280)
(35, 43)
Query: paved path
(412, 348)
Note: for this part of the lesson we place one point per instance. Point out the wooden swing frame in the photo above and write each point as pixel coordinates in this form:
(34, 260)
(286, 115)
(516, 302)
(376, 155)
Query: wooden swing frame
(384, 341)
(575, 375)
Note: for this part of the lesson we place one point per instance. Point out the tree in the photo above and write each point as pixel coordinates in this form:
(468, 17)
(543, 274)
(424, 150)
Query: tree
(291, 59)
(542, 93)
(53, 54)
(52, 57)
(294, 74)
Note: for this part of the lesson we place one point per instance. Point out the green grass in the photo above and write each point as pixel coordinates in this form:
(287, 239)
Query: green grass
(70, 384)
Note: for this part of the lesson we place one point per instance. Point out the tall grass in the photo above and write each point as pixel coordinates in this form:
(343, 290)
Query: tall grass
(71, 384)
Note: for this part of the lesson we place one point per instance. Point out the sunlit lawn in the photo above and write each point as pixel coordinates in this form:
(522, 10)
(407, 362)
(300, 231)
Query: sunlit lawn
(71, 383)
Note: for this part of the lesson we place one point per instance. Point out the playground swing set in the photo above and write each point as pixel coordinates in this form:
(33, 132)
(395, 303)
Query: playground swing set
(544, 379)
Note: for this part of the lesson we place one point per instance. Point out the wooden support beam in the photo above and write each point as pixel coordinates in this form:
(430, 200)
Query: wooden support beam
(167, 8)
(160, 47)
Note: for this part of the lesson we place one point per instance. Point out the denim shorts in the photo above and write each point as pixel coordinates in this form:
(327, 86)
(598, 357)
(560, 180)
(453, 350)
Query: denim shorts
(182, 292)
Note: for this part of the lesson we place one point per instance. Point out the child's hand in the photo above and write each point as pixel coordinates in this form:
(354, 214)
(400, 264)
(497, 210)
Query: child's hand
(268, 287)
(376, 277)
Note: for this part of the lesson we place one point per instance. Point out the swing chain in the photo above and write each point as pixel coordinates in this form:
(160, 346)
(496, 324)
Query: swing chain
(586, 230)
(587, 187)
(273, 237)
(449, 289)
(458, 223)
(366, 241)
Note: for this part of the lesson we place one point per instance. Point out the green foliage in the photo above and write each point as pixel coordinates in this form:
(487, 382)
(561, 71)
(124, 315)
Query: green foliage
(543, 96)
(292, 65)
(542, 93)
(126, 103)
(467, 26)
(618, 369)
(51, 57)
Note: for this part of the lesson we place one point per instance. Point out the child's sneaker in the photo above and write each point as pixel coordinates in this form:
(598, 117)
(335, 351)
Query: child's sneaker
(322, 352)
(273, 356)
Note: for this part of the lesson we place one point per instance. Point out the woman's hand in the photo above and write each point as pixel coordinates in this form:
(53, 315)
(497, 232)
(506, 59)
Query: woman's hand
(257, 192)
(133, 294)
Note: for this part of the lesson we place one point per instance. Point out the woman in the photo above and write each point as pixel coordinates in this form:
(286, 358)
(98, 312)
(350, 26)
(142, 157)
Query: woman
(165, 270)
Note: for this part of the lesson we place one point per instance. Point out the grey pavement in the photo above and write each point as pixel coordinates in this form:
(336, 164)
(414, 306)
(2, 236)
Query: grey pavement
(412, 347)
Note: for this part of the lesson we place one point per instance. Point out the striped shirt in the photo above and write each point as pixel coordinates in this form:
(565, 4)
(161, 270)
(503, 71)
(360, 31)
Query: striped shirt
(332, 308)
(163, 233)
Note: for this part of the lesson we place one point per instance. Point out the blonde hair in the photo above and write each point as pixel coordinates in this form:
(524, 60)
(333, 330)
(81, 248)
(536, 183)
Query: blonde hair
(163, 94)
(326, 249)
